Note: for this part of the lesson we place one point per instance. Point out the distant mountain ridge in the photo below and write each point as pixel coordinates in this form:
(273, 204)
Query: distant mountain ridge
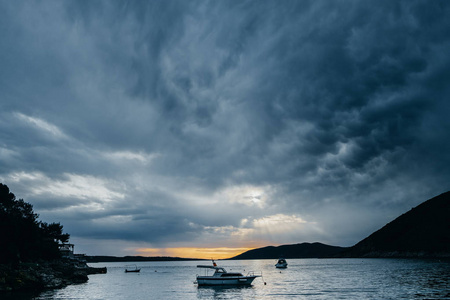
(424, 231)
(303, 250)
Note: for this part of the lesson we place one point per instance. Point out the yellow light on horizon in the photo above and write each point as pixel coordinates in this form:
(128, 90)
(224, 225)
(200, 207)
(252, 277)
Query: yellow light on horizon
(186, 252)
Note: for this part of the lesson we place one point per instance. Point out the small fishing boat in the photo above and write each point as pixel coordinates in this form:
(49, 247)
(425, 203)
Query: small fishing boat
(222, 277)
(132, 269)
(281, 264)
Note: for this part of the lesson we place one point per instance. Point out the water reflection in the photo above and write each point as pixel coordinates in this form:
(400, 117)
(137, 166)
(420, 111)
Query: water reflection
(224, 292)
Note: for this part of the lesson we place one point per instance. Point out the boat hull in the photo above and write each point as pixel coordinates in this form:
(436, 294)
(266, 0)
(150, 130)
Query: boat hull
(243, 280)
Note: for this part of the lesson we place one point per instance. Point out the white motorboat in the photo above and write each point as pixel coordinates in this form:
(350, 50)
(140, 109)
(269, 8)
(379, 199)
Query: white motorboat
(282, 263)
(222, 277)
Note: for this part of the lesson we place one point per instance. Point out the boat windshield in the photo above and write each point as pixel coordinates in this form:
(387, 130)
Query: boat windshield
(220, 270)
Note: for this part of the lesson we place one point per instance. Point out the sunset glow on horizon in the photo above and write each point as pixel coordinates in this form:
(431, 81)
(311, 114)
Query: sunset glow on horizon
(191, 252)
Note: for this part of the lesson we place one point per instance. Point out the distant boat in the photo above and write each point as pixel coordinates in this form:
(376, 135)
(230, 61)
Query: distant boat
(132, 269)
(281, 264)
(222, 277)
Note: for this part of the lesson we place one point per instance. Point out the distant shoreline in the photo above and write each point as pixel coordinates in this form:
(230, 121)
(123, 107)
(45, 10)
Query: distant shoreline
(105, 258)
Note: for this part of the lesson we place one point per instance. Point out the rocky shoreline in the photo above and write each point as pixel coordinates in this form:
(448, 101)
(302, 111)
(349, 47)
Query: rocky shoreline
(44, 275)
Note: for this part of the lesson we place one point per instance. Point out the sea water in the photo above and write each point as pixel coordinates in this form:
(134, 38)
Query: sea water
(302, 279)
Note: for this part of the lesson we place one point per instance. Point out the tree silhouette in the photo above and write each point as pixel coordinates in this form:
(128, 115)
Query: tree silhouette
(22, 236)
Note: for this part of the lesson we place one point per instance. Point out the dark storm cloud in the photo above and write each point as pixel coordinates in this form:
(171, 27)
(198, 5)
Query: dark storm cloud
(160, 121)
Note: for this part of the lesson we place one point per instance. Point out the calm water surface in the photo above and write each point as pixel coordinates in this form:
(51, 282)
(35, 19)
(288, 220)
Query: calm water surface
(303, 279)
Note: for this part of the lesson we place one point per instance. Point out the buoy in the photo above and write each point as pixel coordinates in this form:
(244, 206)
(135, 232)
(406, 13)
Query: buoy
(263, 278)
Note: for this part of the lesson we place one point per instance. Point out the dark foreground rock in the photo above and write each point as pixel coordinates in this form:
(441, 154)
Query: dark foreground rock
(45, 275)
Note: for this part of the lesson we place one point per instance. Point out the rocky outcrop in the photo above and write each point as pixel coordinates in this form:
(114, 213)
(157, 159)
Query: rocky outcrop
(44, 275)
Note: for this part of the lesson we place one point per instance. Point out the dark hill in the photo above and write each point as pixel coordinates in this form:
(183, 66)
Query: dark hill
(304, 250)
(423, 231)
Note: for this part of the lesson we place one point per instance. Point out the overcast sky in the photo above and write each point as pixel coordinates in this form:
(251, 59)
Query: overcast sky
(147, 127)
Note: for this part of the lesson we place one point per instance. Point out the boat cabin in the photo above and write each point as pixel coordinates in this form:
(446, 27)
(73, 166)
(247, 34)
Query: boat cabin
(220, 272)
